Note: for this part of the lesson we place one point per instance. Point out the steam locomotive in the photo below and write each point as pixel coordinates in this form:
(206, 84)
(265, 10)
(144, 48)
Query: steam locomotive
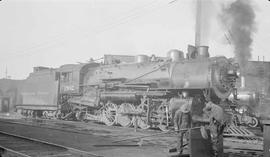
(125, 89)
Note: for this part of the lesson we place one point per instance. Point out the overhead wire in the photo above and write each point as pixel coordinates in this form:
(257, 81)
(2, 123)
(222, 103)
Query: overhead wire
(104, 28)
(132, 17)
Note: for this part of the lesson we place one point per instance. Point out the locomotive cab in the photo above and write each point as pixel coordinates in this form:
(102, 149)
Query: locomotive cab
(71, 89)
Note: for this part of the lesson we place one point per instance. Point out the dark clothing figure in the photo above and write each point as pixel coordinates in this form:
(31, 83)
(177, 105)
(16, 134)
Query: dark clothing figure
(197, 114)
(182, 120)
(175, 104)
(214, 111)
(216, 130)
(216, 126)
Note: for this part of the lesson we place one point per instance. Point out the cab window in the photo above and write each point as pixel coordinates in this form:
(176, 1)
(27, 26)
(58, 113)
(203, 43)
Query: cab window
(66, 76)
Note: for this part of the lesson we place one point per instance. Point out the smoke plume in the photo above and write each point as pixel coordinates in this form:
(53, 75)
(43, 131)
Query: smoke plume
(239, 20)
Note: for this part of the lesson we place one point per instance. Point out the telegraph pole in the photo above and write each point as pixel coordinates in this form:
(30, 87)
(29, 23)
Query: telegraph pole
(6, 73)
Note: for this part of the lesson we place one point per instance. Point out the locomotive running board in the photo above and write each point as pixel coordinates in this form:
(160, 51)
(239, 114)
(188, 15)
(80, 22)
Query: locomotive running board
(238, 131)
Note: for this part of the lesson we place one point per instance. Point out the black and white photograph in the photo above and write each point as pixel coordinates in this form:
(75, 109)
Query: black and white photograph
(134, 78)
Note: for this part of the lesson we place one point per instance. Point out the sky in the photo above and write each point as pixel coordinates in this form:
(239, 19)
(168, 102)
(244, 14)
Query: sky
(55, 32)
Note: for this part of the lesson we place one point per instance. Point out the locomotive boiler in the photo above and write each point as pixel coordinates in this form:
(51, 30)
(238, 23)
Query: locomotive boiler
(120, 92)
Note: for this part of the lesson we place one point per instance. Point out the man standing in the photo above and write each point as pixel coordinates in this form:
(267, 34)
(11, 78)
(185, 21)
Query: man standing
(216, 126)
(182, 120)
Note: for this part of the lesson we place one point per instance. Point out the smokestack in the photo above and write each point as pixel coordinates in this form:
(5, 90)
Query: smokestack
(243, 82)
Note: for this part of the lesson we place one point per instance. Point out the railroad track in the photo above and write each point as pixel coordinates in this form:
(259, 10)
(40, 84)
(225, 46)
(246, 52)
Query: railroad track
(20, 146)
(232, 152)
(48, 126)
(41, 123)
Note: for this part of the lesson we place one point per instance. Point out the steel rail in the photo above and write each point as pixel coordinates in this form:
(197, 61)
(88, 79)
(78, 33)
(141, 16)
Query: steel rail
(48, 126)
(49, 143)
(14, 152)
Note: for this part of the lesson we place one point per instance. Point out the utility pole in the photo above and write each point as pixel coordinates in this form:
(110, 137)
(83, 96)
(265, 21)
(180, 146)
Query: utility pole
(6, 73)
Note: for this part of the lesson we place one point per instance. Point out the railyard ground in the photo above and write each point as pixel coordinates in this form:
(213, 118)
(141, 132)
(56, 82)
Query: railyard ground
(99, 139)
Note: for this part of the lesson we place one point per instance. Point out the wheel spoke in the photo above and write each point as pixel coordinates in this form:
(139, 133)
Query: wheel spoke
(109, 114)
(163, 117)
(142, 121)
(122, 118)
